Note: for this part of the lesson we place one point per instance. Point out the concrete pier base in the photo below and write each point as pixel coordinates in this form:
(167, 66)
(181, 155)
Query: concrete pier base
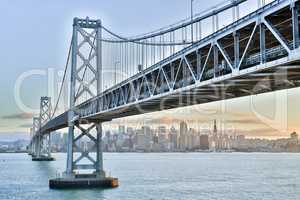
(83, 181)
(43, 158)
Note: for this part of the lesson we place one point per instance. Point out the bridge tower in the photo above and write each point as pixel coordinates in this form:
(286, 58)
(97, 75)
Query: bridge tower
(34, 140)
(84, 170)
(43, 141)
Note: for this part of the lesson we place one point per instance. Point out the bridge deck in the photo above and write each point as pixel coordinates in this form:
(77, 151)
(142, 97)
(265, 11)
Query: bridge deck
(208, 70)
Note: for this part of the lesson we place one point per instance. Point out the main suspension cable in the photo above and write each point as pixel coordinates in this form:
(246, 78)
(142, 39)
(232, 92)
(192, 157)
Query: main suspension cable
(126, 40)
(64, 78)
(199, 17)
(138, 40)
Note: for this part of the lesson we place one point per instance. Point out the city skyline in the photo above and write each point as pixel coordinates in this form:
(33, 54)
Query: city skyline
(180, 137)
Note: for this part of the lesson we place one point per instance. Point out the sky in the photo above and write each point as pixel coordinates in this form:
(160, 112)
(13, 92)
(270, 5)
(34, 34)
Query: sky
(35, 39)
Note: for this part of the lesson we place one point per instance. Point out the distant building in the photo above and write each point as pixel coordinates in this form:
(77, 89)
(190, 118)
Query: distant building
(155, 139)
(173, 141)
(56, 142)
(214, 139)
(163, 143)
(204, 142)
(218, 140)
(161, 130)
(294, 137)
(182, 136)
(130, 131)
(65, 142)
(146, 130)
(143, 139)
(121, 129)
(193, 140)
(56, 137)
(241, 137)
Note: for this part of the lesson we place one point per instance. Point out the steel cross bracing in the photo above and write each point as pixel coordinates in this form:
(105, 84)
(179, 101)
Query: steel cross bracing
(45, 116)
(45, 110)
(85, 75)
(260, 42)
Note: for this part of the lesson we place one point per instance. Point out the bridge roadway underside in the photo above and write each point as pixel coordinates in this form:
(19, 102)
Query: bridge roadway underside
(273, 76)
(247, 82)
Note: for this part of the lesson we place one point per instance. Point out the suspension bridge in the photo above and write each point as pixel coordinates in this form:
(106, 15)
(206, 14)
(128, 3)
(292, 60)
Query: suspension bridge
(109, 76)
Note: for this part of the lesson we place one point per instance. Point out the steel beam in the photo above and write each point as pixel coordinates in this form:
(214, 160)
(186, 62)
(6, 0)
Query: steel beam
(262, 39)
(216, 60)
(71, 113)
(277, 35)
(225, 55)
(199, 63)
(248, 45)
(236, 38)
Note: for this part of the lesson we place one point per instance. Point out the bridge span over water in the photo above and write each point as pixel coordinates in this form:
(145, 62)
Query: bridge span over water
(177, 66)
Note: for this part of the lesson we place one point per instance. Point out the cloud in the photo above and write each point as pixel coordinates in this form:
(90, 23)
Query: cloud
(18, 116)
(13, 136)
(25, 126)
(244, 121)
(262, 133)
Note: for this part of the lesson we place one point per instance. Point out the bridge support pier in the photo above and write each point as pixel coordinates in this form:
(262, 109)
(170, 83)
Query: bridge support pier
(95, 175)
(30, 146)
(43, 150)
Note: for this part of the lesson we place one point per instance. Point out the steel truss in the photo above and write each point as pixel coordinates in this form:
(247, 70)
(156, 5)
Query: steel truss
(85, 74)
(255, 40)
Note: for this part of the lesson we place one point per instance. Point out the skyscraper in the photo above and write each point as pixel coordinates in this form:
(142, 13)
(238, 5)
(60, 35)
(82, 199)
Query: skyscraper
(173, 138)
(204, 142)
(182, 136)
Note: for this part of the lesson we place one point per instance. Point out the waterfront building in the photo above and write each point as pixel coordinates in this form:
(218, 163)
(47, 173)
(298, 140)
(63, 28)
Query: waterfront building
(173, 140)
(204, 142)
(143, 139)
